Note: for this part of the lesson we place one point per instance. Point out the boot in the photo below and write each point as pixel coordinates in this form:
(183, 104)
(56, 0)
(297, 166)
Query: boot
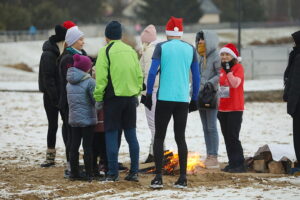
(50, 157)
(96, 172)
(74, 162)
(88, 164)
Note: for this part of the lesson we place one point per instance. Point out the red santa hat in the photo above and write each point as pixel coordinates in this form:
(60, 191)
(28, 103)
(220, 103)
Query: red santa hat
(174, 27)
(68, 24)
(232, 50)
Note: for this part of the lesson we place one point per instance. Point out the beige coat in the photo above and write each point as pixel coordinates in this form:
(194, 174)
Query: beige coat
(146, 61)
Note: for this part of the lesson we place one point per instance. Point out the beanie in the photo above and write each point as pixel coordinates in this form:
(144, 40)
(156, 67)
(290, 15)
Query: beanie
(232, 50)
(296, 37)
(81, 62)
(113, 30)
(60, 33)
(174, 27)
(68, 24)
(149, 34)
(73, 34)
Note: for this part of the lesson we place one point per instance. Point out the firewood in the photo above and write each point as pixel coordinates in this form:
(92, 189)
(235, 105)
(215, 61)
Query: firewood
(276, 167)
(265, 155)
(260, 166)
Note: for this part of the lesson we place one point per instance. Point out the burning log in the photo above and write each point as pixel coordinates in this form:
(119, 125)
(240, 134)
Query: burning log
(171, 164)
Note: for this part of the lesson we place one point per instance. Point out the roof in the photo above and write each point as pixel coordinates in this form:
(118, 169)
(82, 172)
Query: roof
(208, 7)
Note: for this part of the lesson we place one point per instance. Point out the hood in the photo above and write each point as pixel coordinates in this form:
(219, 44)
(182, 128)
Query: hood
(48, 46)
(211, 41)
(75, 75)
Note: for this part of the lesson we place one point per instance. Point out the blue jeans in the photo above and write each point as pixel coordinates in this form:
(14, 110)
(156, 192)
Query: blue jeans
(112, 150)
(209, 124)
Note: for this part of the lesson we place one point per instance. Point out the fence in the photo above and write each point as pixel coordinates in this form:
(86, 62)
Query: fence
(265, 62)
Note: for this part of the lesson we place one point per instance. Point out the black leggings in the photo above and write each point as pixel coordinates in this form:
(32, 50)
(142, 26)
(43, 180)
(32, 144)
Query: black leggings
(66, 130)
(296, 133)
(99, 148)
(163, 113)
(52, 116)
(231, 125)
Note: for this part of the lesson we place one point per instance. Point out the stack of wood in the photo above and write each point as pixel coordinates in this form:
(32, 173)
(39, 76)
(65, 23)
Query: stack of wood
(262, 162)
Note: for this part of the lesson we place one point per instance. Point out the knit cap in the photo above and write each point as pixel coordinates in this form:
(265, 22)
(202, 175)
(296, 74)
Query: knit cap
(149, 34)
(113, 30)
(73, 34)
(83, 63)
(60, 33)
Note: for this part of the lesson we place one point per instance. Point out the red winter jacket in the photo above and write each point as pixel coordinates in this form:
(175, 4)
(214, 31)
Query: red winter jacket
(235, 81)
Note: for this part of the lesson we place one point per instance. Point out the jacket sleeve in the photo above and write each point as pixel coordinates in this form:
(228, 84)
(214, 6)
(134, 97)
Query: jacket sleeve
(101, 75)
(48, 61)
(294, 91)
(91, 89)
(215, 79)
(139, 72)
(235, 77)
(196, 80)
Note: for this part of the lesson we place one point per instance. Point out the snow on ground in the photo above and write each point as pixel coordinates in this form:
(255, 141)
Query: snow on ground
(23, 143)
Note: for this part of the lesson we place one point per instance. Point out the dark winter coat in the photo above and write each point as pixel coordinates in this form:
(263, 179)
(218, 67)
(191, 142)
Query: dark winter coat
(81, 102)
(292, 82)
(65, 61)
(48, 71)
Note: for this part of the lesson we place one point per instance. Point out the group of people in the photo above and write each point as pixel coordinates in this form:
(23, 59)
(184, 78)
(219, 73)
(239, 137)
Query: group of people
(161, 77)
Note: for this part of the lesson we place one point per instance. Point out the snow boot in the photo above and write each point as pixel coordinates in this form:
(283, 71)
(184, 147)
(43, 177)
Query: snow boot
(50, 157)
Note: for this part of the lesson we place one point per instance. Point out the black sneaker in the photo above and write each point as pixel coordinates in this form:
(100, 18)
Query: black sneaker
(239, 169)
(157, 182)
(122, 167)
(132, 177)
(47, 164)
(67, 173)
(149, 159)
(181, 183)
(110, 178)
(226, 168)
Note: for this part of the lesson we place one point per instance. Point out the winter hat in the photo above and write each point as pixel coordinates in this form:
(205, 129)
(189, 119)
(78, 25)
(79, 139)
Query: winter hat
(113, 30)
(296, 37)
(149, 34)
(68, 24)
(83, 63)
(232, 50)
(60, 33)
(73, 34)
(174, 27)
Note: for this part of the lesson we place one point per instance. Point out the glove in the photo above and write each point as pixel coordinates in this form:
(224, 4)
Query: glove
(99, 105)
(143, 99)
(193, 106)
(226, 67)
(148, 102)
(137, 103)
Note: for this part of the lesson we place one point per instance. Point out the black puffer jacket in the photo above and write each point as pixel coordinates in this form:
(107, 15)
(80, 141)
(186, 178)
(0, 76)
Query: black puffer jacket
(65, 61)
(292, 89)
(48, 71)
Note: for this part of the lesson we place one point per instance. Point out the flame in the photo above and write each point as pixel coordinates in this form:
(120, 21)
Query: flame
(171, 162)
(194, 163)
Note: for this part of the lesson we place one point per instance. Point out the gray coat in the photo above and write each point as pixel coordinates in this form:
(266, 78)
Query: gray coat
(213, 62)
(80, 88)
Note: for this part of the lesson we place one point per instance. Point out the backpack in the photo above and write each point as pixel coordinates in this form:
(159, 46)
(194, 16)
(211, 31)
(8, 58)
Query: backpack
(208, 97)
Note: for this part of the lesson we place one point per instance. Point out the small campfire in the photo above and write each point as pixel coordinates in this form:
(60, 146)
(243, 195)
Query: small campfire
(171, 163)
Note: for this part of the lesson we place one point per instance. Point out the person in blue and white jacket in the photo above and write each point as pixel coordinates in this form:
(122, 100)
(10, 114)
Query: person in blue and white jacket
(173, 60)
